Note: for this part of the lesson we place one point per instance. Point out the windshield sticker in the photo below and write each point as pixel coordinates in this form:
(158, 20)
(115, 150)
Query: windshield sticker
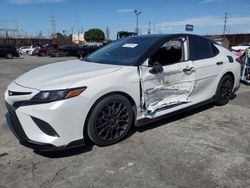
(129, 45)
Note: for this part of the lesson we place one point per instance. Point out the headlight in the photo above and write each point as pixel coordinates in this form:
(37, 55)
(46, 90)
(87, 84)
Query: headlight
(55, 95)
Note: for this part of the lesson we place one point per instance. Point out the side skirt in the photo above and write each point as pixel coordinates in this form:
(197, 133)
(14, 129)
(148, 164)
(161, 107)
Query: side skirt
(147, 120)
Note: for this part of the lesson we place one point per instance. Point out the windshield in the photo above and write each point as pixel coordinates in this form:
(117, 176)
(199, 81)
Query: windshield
(125, 51)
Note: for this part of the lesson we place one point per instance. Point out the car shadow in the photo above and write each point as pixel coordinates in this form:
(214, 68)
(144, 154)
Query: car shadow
(148, 126)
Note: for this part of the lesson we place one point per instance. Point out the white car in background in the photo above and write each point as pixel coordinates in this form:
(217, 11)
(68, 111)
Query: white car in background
(26, 49)
(125, 83)
(34, 51)
(241, 47)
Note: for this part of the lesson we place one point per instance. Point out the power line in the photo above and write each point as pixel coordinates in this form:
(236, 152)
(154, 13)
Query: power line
(9, 28)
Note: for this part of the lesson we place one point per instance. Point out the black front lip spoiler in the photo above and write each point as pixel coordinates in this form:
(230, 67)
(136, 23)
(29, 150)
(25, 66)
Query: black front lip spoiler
(18, 131)
(49, 147)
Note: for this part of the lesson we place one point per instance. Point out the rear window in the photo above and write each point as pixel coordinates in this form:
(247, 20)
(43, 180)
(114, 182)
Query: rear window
(214, 50)
(200, 48)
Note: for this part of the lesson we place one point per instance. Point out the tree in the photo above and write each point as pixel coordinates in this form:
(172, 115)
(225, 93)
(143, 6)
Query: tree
(60, 36)
(94, 35)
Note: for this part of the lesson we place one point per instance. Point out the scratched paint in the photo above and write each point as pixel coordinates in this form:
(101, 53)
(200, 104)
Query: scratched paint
(166, 95)
(170, 87)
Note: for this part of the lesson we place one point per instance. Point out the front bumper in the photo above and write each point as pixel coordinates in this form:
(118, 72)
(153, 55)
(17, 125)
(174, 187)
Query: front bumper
(17, 129)
(58, 124)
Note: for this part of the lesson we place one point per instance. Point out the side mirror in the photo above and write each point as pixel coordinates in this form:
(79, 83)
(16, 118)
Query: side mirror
(156, 68)
(150, 62)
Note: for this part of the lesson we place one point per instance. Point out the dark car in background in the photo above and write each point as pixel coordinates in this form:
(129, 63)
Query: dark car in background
(8, 51)
(47, 49)
(66, 50)
(88, 49)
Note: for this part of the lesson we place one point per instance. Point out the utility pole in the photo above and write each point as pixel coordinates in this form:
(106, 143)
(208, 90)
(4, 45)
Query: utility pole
(225, 23)
(53, 26)
(137, 13)
(107, 33)
(149, 28)
(154, 28)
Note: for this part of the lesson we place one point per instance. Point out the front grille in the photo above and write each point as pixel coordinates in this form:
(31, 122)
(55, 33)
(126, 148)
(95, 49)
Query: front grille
(18, 104)
(16, 93)
(24, 103)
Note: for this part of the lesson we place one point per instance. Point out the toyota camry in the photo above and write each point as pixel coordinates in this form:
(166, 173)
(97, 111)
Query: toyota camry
(129, 82)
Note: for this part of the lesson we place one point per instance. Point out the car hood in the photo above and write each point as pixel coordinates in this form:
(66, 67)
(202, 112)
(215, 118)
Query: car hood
(63, 74)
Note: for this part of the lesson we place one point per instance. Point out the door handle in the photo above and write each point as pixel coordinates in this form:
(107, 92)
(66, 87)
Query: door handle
(219, 63)
(188, 69)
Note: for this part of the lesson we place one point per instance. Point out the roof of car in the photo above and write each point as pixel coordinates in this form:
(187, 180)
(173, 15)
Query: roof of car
(162, 36)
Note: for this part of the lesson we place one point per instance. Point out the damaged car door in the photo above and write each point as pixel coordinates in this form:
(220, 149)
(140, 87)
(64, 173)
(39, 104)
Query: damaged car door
(167, 77)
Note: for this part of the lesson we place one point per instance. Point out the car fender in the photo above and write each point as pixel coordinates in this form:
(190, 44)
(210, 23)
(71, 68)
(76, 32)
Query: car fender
(233, 68)
(125, 80)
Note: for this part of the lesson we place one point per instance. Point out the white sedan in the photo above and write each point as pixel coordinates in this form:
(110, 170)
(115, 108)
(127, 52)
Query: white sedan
(128, 82)
(26, 49)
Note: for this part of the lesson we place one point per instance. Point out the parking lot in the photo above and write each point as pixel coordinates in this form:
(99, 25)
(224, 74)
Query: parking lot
(207, 147)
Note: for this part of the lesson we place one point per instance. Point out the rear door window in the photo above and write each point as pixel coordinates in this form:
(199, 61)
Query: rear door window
(214, 50)
(200, 48)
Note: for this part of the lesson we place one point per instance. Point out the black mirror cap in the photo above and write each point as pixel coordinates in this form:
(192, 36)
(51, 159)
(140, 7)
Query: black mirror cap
(153, 70)
(150, 62)
(157, 68)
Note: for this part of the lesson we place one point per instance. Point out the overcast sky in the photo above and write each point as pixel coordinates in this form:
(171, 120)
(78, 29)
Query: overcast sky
(207, 16)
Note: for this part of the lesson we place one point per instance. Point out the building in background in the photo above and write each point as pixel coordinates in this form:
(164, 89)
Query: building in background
(229, 40)
(78, 38)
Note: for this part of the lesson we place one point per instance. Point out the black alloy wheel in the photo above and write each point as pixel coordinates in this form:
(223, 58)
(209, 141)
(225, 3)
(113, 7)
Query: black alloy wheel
(224, 90)
(110, 120)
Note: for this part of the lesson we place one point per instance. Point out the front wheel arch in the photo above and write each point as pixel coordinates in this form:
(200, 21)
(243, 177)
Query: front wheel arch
(131, 100)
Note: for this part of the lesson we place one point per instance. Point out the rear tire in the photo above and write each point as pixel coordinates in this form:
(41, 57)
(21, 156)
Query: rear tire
(110, 120)
(9, 56)
(224, 90)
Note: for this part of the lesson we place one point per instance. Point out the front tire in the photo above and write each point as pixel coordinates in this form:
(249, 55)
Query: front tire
(224, 90)
(110, 120)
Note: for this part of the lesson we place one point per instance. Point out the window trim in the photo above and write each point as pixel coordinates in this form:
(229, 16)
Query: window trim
(184, 49)
(210, 47)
